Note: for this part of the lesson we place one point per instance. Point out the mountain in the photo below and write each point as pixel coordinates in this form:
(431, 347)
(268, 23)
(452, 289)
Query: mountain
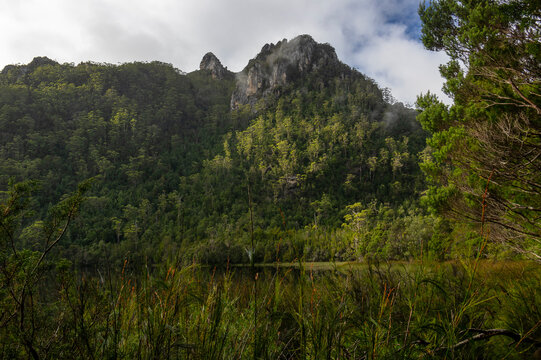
(211, 63)
(190, 163)
(278, 65)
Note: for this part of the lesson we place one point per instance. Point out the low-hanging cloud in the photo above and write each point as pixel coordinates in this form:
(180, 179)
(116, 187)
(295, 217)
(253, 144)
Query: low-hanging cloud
(375, 36)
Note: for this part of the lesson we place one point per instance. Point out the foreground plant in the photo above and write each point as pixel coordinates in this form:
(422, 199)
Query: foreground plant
(492, 131)
(23, 309)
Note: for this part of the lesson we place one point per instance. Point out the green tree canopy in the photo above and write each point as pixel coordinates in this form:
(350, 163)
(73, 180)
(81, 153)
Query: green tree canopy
(485, 149)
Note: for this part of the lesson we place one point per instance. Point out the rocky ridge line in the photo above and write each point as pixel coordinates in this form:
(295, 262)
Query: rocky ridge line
(278, 65)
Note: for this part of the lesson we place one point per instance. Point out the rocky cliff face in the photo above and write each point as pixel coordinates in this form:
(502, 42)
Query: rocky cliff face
(278, 65)
(211, 63)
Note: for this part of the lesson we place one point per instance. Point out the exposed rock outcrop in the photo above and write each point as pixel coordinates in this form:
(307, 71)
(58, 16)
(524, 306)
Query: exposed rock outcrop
(278, 65)
(211, 63)
(35, 63)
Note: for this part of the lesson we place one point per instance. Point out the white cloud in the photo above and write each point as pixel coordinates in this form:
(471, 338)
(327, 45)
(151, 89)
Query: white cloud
(370, 35)
(401, 64)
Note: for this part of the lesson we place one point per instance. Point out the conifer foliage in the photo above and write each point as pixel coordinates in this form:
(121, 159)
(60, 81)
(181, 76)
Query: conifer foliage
(485, 149)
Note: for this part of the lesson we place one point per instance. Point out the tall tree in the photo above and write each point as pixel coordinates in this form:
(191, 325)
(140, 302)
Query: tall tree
(22, 271)
(485, 149)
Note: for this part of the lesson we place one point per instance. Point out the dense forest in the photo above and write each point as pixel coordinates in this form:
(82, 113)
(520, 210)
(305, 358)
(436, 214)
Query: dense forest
(176, 172)
(372, 229)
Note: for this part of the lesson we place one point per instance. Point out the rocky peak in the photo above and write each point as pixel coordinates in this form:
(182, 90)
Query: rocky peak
(41, 61)
(279, 64)
(36, 62)
(211, 63)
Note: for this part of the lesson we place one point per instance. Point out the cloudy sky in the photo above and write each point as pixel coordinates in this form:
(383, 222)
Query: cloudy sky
(377, 37)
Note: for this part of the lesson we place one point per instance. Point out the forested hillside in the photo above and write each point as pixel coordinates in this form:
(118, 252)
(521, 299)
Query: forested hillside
(119, 184)
(210, 160)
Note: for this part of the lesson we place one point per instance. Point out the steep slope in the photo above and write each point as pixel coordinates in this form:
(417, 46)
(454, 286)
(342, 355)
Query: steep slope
(211, 63)
(183, 159)
(136, 126)
(322, 138)
(281, 64)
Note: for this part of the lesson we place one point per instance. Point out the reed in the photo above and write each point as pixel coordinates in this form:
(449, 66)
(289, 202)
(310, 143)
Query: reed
(377, 311)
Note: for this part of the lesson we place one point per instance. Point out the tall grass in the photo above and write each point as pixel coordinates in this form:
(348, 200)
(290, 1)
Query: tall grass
(379, 311)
